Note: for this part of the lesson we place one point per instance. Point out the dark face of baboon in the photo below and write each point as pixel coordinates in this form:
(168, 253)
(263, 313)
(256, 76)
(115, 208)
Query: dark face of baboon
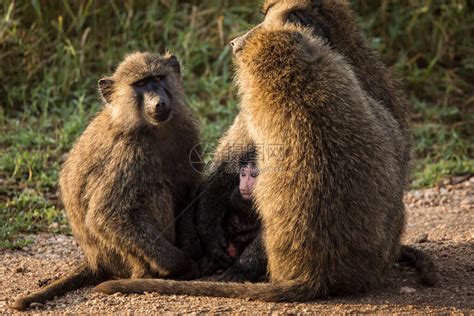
(145, 89)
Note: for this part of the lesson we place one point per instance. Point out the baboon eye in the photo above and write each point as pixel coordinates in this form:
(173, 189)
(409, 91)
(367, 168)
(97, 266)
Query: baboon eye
(141, 83)
(158, 78)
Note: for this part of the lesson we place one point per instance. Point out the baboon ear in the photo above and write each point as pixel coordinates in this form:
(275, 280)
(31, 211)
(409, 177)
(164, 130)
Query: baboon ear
(174, 63)
(106, 89)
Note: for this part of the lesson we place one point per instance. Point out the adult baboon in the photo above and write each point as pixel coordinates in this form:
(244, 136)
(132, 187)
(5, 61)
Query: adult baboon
(338, 228)
(128, 176)
(334, 22)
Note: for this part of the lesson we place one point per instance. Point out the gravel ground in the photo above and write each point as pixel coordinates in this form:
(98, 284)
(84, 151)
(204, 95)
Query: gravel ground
(440, 221)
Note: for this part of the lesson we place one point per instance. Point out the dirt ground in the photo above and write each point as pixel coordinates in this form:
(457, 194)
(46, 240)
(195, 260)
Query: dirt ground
(440, 221)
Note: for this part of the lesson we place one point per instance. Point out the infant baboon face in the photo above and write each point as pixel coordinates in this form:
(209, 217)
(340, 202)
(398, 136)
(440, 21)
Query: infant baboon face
(248, 176)
(145, 88)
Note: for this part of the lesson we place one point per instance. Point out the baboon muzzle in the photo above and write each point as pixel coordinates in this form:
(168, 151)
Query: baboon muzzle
(158, 107)
(163, 111)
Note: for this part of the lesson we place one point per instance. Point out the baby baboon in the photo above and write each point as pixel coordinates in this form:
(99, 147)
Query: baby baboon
(331, 233)
(241, 223)
(128, 176)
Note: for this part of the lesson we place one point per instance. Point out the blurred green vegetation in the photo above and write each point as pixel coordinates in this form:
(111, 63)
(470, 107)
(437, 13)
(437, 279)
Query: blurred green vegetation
(53, 52)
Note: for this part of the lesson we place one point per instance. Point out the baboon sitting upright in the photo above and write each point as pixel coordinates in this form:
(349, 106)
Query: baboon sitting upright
(128, 176)
(334, 22)
(328, 217)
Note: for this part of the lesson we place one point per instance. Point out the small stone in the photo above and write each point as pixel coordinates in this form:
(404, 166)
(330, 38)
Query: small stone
(407, 290)
(422, 238)
(36, 305)
(20, 270)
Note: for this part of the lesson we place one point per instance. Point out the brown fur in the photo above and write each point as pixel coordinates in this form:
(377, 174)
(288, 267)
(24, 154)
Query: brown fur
(335, 23)
(126, 178)
(338, 229)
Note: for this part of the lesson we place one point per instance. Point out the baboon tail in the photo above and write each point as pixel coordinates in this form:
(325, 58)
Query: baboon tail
(271, 292)
(81, 276)
(422, 262)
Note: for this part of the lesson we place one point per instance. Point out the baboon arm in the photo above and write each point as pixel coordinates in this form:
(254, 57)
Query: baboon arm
(215, 197)
(136, 231)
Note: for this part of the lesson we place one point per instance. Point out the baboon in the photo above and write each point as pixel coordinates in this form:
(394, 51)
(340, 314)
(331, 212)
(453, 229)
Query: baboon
(241, 223)
(128, 176)
(332, 233)
(334, 22)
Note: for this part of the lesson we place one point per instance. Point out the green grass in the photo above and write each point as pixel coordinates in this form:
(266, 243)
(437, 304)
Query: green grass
(53, 52)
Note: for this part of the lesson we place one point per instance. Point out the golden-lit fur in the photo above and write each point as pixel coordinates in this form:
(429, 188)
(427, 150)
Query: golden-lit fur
(332, 212)
(124, 181)
(334, 23)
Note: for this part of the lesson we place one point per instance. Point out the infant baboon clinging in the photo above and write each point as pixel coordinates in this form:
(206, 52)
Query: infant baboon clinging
(241, 223)
(332, 232)
(128, 176)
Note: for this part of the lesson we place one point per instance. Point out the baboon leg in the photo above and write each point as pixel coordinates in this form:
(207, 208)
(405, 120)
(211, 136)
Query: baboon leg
(138, 232)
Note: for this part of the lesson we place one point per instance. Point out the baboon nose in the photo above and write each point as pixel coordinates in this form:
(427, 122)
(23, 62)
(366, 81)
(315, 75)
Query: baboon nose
(160, 105)
(236, 44)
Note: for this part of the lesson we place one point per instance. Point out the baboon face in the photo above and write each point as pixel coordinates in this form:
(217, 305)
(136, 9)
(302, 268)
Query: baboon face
(248, 176)
(153, 95)
(145, 87)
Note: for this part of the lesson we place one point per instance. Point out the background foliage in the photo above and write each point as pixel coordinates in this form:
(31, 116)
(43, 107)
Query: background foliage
(53, 52)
